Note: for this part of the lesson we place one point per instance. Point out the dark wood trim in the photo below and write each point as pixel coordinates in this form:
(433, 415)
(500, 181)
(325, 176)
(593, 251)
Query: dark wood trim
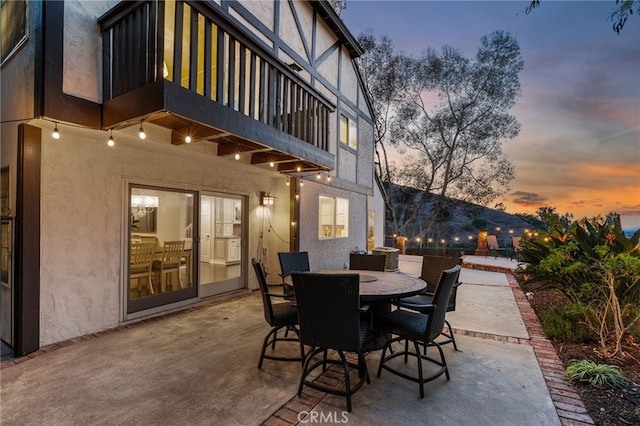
(305, 43)
(27, 262)
(56, 104)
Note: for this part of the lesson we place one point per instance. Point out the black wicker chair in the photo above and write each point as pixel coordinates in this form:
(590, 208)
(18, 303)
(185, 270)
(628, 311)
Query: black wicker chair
(278, 315)
(367, 262)
(329, 314)
(420, 329)
(292, 262)
(432, 267)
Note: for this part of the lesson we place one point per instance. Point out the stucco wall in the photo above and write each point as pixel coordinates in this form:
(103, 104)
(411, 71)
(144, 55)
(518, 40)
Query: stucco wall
(84, 215)
(330, 253)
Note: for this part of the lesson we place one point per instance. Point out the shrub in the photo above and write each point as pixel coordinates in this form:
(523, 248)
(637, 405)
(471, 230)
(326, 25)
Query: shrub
(599, 375)
(595, 264)
(565, 323)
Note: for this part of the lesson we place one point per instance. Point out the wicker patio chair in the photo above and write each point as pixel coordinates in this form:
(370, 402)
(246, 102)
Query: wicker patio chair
(278, 316)
(432, 268)
(329, 314)
(367, 262)
(419, 329)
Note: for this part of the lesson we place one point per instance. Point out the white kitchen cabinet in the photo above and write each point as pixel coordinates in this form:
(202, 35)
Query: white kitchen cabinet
(227, 251)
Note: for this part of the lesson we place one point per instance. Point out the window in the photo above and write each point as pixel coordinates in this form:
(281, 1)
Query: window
(333, 217)
(14, 27)
(348, 131)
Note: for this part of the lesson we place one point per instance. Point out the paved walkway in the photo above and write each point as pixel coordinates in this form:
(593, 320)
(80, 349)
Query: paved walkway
(198, 367)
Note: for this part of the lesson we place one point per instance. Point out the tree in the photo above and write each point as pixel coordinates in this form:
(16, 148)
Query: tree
(624, 8)
(452, 114)
(553, 221)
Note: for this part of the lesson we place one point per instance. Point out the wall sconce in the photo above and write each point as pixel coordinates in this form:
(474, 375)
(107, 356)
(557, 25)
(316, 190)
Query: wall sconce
(266, 199)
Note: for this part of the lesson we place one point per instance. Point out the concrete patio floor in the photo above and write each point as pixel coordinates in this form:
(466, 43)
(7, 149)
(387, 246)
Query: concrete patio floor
(199, 367)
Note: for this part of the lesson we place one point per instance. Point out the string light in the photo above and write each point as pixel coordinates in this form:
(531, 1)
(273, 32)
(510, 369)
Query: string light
(141, 133)
(56, 133)
(110, 142)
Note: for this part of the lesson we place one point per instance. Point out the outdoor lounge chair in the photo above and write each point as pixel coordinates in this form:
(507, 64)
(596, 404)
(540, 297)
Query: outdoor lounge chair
(494, 247)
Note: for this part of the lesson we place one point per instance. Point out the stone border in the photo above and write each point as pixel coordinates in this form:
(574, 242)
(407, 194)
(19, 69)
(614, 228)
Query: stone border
(569, 406)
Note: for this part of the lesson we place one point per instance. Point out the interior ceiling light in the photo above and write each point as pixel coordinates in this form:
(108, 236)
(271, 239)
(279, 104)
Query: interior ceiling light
(141, 133)
(110, 142)
(56, 133)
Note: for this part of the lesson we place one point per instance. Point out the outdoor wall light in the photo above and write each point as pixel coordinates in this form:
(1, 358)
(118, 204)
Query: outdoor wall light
(266, 199)
(141, 133)
(110, 141)
(56, 133)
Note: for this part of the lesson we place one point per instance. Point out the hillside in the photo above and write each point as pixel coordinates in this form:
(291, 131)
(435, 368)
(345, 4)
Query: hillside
(463, 220)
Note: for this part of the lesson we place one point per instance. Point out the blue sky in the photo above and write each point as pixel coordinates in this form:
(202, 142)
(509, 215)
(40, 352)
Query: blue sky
(579, 147)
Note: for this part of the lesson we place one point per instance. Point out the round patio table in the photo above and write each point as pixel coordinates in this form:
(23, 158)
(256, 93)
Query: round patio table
(376, 286)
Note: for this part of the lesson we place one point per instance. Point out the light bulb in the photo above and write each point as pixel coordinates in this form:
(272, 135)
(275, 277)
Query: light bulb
(318, 175)
(55, 134)
(187, 139)
(142, 134)
(237, 156)
(301, 182)
(328, 178)
(271, 164)
(110, 142)
(287, 181)
(299, 169)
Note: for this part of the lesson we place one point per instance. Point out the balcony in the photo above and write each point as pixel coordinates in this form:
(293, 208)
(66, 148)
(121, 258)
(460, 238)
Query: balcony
(184, 66)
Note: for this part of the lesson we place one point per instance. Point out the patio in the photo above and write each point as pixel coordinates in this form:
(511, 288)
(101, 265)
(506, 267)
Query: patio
(200, 367)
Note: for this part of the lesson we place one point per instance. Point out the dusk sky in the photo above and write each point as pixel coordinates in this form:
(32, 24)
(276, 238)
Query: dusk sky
(579, 146)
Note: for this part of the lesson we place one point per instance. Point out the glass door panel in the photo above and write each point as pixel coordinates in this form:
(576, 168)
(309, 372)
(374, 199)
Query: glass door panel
(161, 258)
(222, 223)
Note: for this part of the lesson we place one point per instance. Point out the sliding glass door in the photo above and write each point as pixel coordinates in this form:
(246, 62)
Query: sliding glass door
(222, 228)
(161, 249)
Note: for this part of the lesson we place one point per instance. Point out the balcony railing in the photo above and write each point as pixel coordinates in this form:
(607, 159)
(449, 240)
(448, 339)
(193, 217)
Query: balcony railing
(191, 44)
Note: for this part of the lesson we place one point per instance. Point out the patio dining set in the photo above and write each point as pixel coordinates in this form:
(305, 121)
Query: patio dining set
(336, 317)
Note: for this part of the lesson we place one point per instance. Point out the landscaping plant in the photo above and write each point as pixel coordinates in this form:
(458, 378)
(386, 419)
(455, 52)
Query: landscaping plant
(596, 265)
(599, 375)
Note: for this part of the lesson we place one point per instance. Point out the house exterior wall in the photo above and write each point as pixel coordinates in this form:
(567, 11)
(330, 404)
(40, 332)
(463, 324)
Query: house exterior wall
(84, 199)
